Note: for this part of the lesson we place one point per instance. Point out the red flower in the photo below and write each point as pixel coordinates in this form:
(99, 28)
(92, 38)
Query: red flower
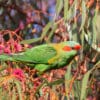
(1, 48)
(19, 74)
(7, 50)
(18, 47)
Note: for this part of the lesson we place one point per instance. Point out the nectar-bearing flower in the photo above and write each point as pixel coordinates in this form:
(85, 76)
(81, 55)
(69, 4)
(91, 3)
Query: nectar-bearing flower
(18, 73)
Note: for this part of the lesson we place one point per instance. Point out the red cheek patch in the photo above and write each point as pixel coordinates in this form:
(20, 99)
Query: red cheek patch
(77, 47)
(67, 48)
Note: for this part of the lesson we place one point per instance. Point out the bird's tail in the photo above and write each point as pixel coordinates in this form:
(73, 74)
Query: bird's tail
(6, 58)
(21, 57)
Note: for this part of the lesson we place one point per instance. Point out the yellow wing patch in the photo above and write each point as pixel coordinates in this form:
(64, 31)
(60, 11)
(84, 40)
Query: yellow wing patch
(58, 48)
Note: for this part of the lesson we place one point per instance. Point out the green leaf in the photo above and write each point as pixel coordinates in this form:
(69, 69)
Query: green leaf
(82, 43)
(83, 14)
(68, 79)
(30, 41)
(94, 28)
(39, 87)
(46, 29)
(56, 82)
(14, 95)
(51, 33)
(18, 85)
(76, 89)
(91, 44)
(59, 6)
(84, 85)
(65, 9)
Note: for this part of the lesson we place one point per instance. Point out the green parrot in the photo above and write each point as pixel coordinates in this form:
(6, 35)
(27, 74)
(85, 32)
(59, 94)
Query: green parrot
(47, 56)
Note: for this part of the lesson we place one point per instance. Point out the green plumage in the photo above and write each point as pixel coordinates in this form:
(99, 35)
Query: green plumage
(44, 57)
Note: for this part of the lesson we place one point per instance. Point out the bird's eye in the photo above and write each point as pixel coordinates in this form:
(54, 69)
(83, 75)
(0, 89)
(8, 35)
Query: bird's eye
(73, 48)
(67, 48)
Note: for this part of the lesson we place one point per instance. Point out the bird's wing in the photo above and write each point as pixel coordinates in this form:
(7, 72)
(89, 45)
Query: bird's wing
(41, 54)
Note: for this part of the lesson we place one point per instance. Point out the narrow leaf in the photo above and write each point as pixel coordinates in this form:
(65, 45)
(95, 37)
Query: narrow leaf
(57, 82)
(94, 28)
(19, 89)
(68, 79)
(84, 85)
(59, 6)
(83, 14)
(52, 32)
(46, 29)
(30, 41)
(65, 9)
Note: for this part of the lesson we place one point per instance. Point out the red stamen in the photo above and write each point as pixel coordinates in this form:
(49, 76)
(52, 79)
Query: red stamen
(67, 48)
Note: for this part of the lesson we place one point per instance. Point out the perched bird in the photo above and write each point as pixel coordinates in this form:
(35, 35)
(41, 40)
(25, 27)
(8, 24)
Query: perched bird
(47, 56)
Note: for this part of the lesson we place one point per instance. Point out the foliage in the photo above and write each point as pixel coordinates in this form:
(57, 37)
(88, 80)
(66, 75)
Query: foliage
(26, 23)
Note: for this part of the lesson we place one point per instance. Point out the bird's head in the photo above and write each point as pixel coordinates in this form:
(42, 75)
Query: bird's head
(71, 47)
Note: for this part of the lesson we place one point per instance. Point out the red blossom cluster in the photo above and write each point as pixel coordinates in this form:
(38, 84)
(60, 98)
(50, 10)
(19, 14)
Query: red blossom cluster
(9, 47)
(19, 74)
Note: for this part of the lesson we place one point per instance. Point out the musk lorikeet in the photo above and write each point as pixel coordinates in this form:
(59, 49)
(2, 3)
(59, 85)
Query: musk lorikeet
(46, 56)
